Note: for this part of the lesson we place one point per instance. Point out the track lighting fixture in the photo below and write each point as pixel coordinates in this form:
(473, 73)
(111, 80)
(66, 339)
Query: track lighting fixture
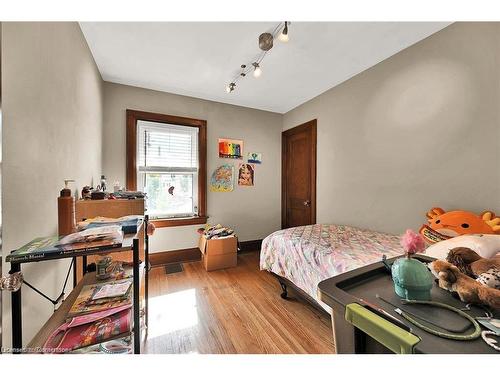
(265, 44)
(266, 41)
(257, 71)
(230, 87)
(284, 34)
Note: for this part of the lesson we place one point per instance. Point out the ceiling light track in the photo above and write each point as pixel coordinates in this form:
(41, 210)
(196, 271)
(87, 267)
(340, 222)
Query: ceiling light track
(266, 42)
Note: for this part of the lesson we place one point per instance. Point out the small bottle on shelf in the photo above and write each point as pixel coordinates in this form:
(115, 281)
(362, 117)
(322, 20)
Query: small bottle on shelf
(66, 210)
(103, 183)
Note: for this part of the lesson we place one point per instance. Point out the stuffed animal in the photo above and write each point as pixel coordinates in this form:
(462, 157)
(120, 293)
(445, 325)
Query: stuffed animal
(444, 225)
(490, 278)
(470, 262)
(469, 290)
(484, 270)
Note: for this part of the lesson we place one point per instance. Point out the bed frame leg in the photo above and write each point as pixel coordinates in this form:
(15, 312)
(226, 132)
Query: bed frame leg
(284, 295)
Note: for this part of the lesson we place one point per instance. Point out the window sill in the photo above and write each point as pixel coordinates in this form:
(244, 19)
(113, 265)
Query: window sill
(177, 222)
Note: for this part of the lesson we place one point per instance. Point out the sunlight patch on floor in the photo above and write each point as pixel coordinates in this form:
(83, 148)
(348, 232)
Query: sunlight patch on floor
(172, 312)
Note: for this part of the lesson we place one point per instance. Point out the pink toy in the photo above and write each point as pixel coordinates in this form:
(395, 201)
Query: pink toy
(412, 243)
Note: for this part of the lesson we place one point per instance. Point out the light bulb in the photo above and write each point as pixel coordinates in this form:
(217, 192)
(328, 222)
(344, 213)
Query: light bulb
(283, 37)
(257, 70)
(230, 87)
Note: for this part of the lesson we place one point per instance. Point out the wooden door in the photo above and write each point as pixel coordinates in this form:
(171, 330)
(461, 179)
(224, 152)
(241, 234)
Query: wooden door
(298, 190)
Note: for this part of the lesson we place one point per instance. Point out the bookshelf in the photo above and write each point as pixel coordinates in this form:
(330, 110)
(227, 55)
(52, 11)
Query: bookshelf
(59, 316)
(131, 243)
(114, 208)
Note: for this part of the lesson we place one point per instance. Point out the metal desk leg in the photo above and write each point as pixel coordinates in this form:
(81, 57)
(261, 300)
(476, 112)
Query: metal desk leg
(16, 311)
(74, 273)
(84, 265)
(137, 323)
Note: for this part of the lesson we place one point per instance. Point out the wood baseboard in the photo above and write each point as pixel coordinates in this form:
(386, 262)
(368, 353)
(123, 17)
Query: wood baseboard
(253, 245)
(175, 256)
(194, 254)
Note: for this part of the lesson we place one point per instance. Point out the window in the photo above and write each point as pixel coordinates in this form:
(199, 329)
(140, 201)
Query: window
(167, 168)
(166, 158)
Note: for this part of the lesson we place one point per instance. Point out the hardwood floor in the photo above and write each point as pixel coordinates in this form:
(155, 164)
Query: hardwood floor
(238, 310)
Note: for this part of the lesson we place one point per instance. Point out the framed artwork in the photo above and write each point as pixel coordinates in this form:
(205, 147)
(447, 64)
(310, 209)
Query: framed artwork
(222, 179)
(230, 148)
(255, 157)
(246, 174)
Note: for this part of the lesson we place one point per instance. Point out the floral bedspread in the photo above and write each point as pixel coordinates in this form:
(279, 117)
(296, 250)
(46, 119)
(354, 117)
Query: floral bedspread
(310, 254)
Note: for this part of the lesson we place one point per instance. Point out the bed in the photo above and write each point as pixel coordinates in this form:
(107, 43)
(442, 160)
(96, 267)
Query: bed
(307, 255)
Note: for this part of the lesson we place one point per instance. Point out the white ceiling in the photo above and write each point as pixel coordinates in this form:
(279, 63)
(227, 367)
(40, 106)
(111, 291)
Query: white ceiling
(199, 59)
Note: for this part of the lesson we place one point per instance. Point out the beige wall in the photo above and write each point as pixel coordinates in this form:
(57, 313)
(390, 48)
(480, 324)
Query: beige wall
(419, 129)
(253, 212)
(52, 118)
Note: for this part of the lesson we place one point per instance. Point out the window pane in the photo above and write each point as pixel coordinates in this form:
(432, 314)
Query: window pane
(168, 150)
(169, 194)
(166, 145)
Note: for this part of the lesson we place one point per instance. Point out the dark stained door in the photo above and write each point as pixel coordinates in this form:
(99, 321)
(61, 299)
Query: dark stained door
(298, 205)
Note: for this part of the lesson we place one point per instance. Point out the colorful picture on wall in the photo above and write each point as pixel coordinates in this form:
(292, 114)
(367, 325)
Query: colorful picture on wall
(255, 157)
(246, 174)
(222, 179)
(230, 148)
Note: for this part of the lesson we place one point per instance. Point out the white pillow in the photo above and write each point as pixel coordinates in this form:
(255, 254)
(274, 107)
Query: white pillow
(486, 245)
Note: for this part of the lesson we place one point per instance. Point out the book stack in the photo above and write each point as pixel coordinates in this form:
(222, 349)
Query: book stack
(102, 312)
(44, 248)
(129, 224)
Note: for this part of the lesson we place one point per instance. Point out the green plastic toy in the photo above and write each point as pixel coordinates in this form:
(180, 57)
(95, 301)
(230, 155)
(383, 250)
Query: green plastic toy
(412, 279)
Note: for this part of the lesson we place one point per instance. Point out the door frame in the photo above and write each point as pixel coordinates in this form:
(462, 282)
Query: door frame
(312, 127)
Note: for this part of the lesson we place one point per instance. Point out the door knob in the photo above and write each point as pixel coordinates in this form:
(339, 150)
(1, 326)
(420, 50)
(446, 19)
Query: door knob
(307, 203)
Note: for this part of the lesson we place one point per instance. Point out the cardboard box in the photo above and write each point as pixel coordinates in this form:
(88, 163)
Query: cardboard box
(219, 253)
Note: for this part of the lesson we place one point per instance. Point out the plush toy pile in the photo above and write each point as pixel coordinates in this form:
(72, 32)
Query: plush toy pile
(468, 289)
(486, 271)
(467, 247)
(212, 232)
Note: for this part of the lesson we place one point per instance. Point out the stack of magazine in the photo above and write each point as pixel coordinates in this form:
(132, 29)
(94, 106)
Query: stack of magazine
(100, 313)
(105, 237)
(129, 223)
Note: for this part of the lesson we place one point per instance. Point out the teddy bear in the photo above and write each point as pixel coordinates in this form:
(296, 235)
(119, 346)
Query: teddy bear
(469, 290)
(484, 270)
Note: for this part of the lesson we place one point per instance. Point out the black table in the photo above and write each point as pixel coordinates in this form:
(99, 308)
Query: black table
(361, 286)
